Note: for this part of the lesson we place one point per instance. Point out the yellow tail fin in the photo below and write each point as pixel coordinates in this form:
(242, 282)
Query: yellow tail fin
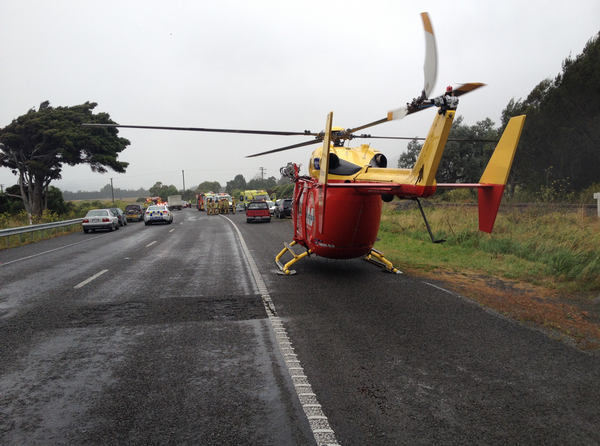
(496, 173)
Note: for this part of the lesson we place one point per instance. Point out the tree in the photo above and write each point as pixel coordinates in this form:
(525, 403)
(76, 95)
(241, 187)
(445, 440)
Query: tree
(167, 191)
(36, 145)
(258, 183)
(208, 186)
(155, 190)
(464, 159)
(9, 204)
(56, 202)
(163, 191)
(239, 182)
(408, 159)
(561, 136)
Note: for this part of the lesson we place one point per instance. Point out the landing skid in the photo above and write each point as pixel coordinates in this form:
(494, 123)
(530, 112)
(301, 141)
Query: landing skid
(377, 258)
(285, 269)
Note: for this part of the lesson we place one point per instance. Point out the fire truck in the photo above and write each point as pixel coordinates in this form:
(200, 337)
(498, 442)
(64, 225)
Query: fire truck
(200, 202)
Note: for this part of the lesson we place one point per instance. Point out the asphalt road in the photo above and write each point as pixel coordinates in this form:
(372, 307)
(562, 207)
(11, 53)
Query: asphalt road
(159, 336)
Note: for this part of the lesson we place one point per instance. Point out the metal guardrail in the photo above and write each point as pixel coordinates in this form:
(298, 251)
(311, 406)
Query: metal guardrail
(35, 228)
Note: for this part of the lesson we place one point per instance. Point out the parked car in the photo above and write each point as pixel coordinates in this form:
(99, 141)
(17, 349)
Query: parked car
(158, 214)
(258, 211)
(283, 208)
(99, 219)
(134, 212)
(271, 205)
(120, 215)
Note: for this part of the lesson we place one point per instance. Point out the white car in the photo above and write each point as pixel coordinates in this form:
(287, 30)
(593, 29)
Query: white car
(271, 205)
(158, 214)
(100, 219)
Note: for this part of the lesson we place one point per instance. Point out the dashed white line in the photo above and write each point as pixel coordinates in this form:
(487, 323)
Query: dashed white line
(171, 230)
(95, 276)
(317, 420)
(150, 244)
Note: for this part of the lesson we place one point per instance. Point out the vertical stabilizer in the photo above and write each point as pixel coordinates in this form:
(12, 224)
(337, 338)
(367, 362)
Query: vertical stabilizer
(426, 167)
(493, 180)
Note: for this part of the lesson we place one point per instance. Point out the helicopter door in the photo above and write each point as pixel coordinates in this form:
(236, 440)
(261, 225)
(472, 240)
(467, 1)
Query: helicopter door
(299, 212)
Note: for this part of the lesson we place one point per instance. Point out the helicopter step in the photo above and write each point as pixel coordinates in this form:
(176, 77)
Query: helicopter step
(377, 258)
(285, 269)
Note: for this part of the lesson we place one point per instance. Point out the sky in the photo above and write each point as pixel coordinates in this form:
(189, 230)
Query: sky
(268, 65)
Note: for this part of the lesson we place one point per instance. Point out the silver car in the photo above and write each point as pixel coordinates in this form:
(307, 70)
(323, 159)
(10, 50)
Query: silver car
(158, 214)
(99, 219)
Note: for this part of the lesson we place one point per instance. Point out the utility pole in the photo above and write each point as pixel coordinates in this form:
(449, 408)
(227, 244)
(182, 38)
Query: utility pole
(183, 176)
(262, 174)
(112, 192)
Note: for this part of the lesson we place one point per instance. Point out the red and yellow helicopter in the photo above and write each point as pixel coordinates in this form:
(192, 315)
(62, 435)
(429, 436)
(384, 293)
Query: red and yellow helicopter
(337, 207)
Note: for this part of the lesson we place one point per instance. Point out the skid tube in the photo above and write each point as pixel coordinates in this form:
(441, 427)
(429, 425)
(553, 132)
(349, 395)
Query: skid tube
(377, 258)
(374, 256)
(285, 269)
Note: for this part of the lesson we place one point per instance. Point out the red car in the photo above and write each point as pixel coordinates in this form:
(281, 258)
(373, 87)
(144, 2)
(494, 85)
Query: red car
(258, 211)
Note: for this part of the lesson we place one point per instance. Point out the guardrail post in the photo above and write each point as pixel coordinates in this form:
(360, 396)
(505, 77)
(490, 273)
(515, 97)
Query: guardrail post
(597, 197)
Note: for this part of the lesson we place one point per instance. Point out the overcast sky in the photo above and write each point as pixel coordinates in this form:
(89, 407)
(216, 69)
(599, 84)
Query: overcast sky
(268, 65)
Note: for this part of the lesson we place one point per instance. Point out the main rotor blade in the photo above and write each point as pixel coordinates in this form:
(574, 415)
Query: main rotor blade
(402, 112)
(467, 88)
(199, 129)
(423, 139)
(281, 149)
(430, 66)
(430, 76)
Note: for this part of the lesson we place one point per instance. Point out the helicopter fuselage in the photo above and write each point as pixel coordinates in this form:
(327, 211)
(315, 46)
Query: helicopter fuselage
(345, 228)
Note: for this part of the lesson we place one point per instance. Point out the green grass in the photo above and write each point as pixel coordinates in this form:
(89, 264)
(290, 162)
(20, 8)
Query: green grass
(541, 245)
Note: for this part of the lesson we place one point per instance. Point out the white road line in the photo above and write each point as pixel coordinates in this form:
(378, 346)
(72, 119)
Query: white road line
(440, 288)
(150, 244)
(317, 420)
(95, 276)
(171, 230)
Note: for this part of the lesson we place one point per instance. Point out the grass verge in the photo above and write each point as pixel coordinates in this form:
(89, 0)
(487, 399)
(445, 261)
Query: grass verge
(540, 266)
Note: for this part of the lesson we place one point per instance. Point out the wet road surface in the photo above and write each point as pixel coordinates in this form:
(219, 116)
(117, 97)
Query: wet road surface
(172, 345)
